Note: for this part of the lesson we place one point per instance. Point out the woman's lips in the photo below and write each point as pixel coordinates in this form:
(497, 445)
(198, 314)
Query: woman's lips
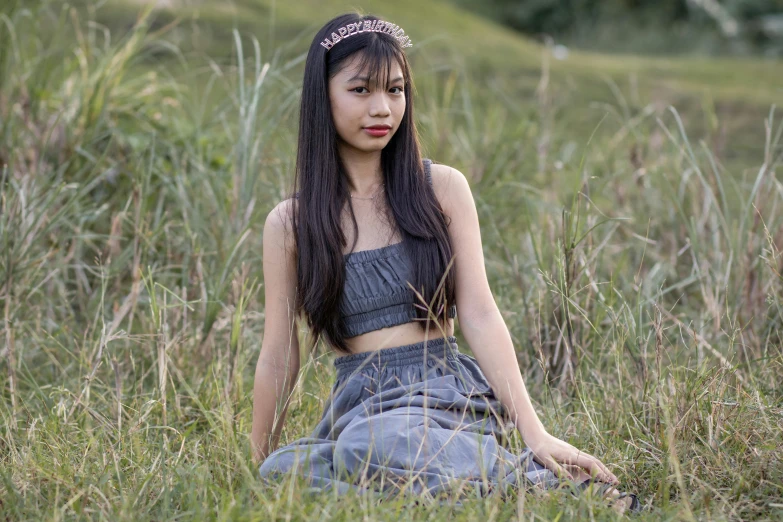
(377, 132)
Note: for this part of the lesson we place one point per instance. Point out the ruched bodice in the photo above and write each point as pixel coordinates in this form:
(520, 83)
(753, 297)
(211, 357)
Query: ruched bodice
(376, 294)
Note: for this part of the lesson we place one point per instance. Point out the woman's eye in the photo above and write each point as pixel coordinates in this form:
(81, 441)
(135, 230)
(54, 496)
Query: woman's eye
(357, 88)
(399, 90)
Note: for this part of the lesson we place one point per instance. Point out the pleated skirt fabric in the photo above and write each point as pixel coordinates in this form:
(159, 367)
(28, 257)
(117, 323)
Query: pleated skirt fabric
(418, 419)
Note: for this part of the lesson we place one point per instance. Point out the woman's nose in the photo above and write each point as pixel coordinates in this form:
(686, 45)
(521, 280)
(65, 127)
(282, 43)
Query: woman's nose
(379, 105)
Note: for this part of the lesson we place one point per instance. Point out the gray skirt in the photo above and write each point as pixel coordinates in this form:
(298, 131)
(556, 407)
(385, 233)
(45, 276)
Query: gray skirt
(418, 418)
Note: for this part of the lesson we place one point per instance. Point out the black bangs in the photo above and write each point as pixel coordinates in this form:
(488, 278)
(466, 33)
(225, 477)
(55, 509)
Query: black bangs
(376, 53)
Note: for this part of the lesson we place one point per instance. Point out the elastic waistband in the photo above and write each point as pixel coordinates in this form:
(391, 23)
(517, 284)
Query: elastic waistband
(398, 355)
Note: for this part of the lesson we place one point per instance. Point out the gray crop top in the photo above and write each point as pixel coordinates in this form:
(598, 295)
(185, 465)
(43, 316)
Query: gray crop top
(376, 294)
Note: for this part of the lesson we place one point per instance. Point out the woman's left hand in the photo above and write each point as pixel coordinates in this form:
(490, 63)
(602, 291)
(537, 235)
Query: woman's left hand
(554, 453)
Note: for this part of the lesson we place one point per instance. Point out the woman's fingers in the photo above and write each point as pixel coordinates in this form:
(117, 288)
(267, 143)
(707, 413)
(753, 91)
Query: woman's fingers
(554, 452)
(552, 464)
(595, 467)
(612, 477)
(592, 465)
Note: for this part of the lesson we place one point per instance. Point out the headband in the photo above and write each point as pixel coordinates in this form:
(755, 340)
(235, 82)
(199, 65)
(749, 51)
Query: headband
(368, 26)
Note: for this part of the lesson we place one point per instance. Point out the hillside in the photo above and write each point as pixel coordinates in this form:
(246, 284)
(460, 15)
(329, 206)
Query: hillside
(722, 98)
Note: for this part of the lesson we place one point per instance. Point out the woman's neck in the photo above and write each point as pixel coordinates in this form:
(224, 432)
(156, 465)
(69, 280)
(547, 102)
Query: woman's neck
(363, 170)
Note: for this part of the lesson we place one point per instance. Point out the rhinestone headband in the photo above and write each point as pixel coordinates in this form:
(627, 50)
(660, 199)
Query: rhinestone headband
(375, 26)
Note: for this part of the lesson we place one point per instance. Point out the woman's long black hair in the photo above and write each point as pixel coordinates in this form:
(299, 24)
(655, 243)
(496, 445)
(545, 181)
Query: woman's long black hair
(321, 190)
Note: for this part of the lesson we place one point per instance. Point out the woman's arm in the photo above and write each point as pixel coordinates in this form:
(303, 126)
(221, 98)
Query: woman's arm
(278, 363)
(486, 332)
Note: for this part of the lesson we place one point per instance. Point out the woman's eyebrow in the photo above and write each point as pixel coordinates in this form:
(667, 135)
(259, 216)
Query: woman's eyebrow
(366, 79)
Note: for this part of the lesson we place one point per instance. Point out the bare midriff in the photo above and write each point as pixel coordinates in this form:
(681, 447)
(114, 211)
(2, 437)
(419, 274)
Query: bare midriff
(399, 335)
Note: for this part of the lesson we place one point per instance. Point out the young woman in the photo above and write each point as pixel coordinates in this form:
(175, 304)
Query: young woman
(379, 250)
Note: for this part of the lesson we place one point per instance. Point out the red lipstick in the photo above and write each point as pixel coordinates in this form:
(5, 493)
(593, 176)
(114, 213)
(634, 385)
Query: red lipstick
(378, 130)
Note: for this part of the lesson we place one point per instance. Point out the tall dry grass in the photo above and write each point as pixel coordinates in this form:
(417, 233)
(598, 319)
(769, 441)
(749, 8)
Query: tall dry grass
(639, 277)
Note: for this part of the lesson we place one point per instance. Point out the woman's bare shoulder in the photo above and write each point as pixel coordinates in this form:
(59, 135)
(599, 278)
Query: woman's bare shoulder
(283, 211)
(450, 186)
(279, 226)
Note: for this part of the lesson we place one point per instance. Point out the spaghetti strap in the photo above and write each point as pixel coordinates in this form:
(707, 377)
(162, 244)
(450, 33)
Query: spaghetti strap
(427, 170)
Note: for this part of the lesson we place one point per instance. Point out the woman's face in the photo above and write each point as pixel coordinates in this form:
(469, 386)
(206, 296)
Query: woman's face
(365, 114)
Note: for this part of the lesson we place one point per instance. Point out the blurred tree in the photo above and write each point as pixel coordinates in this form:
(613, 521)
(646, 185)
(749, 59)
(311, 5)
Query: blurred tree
(720, 26)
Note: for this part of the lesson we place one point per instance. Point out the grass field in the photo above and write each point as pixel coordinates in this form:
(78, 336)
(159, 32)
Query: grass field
(631, 218)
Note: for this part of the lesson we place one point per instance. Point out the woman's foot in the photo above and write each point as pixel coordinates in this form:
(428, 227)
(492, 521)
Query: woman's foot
(618, 500)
